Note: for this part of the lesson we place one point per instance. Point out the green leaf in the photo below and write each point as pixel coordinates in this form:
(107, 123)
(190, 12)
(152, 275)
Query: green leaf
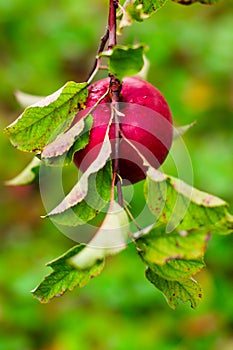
(174, 256)
(29, 175)
(148, 7)
(158, 247)
(138, 10)
(110, 238)
(125, 60)
(99, 188)
(65, 276)
(61, 151)
(40, 123)
(181, 206)
(190, 2)
(173, 248)
(178, 269)
(83, 262)
(185, 290)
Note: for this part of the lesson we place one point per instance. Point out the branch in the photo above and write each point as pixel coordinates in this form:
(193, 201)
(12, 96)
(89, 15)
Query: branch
(113, 5)
(115, 90)
(102, 44)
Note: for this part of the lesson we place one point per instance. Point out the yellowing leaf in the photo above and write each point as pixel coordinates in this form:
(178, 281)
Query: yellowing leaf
(178, 269)
(185, 290)
(28, 175)
(110, 238)
(158, 247)
(183, 207)
(26, 100)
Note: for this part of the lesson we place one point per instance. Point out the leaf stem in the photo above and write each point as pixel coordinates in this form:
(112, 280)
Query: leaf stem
(132, 218)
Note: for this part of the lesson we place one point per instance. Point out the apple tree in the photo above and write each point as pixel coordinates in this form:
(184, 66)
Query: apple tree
(118, 131)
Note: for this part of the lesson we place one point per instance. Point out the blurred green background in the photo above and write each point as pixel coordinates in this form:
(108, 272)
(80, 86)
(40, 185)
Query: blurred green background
(44, 44)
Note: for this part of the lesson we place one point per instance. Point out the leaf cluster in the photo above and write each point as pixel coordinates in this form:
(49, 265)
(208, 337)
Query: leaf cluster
(173, 248)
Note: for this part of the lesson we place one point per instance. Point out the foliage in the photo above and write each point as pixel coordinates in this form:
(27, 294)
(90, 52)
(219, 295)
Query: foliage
(183, 217)
(47, 118)
(189, 214)
(45, 128)
(194, 73)
(65, 276)
(125, 61)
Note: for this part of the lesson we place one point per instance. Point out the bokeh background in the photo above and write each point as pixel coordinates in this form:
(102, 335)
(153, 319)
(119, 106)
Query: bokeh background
(42, 45)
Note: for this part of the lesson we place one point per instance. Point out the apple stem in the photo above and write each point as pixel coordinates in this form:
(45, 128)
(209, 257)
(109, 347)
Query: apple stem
(132, 218)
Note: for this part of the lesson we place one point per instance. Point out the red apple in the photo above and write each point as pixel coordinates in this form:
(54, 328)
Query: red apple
(147, 123)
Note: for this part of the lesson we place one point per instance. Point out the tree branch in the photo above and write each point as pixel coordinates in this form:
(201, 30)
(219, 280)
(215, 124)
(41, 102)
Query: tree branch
(113, 5)
(115, 90)
(102, 44)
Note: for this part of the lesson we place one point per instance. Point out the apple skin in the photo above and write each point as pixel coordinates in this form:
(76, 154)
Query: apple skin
(147, 123)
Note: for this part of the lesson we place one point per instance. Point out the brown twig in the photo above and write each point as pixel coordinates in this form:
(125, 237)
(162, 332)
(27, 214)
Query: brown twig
(95, 67)
(113, 5)
(115, 90)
